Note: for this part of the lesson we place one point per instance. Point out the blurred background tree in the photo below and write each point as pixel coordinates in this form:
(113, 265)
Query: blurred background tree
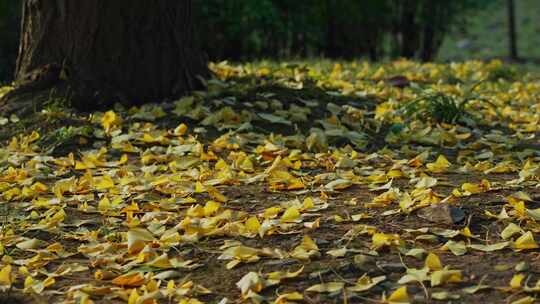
(345, 29)
(248, 29)
(10, 15)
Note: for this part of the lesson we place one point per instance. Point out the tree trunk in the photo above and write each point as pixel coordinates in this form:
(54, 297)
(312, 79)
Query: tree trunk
(103, 51)
(331, 31)
(512, 40)
(409, 29)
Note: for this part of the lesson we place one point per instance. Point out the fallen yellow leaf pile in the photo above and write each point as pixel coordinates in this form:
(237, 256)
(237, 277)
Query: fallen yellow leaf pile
(315, 183)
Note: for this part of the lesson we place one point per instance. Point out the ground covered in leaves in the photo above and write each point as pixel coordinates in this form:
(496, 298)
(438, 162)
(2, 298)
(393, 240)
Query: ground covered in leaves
(282, 183)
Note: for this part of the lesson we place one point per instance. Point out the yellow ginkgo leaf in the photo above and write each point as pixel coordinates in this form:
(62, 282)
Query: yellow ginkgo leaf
(433, 262)
(380, 240)
(440, 165)
(161, 261)
(199, 187)
(110, 121)
(104, 183)
(516, 281)
(444, 276)
(252, 224)
(137, 238)
(271, 212)
(306, 249)
(211, 207)
(308, 203)
(5, 276)
(399, 296)
(104, 204)
(290, 215)
(280, 275)
(526, 241)
(180, 130)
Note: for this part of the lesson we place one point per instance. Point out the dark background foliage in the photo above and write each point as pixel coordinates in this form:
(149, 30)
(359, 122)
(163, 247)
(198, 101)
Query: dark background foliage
(346, 29)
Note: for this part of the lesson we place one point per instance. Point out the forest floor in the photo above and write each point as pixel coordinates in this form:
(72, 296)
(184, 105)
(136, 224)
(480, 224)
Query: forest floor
(315, 182)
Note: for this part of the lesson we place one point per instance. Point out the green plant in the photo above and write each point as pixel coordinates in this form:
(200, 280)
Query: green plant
(502, 72)
(443, 108)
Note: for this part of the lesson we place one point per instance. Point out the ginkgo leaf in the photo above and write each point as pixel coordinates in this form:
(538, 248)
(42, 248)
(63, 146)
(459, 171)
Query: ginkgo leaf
(534, 214)
(37, 286)
(31, 244)
(253, 225)
(327, 287)
(457, 248)
(475, 288)
(337, 253)
(399, 296)
(211, 207)
(415, 275)
(104, 183)
(338, 184)
(510, 231)
(516, 281)
(271, 212)
(280, 275)
(5, 276)
(240, 253)
(444, 295)
(433, 262)
(110, 120)
(440, 165)
(285, 298)
(137, 238)
(290, 215)
(360, 216)
(306, 249)
(491, 247)
(380, 240)
(181, 129)
(526, 241)
(444, 276)
(161, 261)
(252, 281)
(104, 204)
(426, 182)
(417, 253)
(133, 279)
(274, 118)
(365, 283)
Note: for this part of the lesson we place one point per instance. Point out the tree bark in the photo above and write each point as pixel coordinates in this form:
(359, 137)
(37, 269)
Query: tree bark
(331, 31)
(512, 39)
(103, 51)
(409, 29)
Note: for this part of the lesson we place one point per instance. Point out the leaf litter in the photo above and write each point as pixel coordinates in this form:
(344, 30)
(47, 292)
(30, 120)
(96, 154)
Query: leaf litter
(314, 183)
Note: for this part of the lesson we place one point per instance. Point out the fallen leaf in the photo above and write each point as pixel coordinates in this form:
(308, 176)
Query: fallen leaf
(327, 287)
